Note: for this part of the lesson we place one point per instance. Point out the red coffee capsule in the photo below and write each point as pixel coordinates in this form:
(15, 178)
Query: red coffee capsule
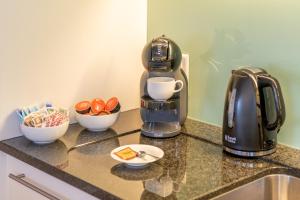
(83, 107)
(112, 105)
(97, 106)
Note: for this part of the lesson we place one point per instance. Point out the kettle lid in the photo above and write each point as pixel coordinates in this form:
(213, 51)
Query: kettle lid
(249, 70)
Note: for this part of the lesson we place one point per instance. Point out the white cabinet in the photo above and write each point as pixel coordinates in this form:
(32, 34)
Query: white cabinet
(22, 181)
(3, 180)
(19, 191)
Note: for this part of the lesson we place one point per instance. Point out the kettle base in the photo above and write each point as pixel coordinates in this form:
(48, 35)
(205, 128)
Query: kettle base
(249, 153)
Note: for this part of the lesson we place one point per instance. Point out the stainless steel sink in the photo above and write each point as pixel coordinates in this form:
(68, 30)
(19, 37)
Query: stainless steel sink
(271, 187)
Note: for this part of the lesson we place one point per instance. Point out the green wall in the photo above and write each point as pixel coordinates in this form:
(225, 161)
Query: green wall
(221, 35)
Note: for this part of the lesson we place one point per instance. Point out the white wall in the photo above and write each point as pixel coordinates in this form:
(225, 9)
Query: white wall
(68, 50)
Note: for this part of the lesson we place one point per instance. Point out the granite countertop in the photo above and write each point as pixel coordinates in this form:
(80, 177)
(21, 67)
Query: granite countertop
(284, 155)
(194, 165)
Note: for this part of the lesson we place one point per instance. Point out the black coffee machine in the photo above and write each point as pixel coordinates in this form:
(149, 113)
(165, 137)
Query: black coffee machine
(253, 114)
(162, 58)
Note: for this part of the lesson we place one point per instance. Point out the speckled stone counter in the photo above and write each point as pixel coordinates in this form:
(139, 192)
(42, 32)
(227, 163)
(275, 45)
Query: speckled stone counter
(284, 155)
(203, 131)
(194, 165)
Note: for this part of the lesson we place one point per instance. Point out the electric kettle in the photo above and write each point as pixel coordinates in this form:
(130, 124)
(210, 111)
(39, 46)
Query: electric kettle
(254, 112)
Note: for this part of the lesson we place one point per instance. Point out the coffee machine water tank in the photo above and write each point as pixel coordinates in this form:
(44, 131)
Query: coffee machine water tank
(161, 57)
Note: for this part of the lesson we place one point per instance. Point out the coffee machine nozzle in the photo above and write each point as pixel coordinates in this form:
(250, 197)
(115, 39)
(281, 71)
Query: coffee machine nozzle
(163, 118)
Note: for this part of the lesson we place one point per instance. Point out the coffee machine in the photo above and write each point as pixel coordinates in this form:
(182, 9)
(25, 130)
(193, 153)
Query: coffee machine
(162, 58)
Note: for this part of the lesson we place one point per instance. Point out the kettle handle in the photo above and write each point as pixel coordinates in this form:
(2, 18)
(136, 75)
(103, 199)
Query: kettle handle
(279, 102)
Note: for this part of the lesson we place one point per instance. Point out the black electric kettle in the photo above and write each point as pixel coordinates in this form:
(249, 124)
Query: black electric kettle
(254, 111)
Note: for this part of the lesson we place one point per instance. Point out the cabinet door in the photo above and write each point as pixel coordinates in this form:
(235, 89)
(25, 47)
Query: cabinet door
(3, 179)
(40, 181)
(17, 191)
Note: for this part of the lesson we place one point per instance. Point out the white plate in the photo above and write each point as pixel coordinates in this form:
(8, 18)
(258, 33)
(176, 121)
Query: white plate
(139, 162)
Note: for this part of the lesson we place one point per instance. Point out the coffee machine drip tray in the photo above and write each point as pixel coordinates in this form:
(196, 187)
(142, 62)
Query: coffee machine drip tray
(161, 129)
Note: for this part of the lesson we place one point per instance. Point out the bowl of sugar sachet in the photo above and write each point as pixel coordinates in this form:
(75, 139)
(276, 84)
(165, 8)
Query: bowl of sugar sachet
(43, 124)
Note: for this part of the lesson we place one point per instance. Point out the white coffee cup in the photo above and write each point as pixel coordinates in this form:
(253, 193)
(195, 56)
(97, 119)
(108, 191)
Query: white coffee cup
(162, 88)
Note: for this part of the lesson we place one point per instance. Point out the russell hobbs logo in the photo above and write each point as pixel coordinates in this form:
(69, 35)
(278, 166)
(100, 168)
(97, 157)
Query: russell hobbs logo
(230, 139)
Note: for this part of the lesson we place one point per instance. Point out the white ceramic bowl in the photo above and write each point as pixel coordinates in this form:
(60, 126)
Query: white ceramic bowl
(44, 135)
(97, 123)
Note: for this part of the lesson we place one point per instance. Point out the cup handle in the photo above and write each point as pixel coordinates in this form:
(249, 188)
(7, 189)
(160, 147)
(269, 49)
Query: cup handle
(181, 85)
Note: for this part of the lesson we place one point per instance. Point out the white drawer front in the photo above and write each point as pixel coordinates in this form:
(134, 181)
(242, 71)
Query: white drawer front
(17, 191)
(42, 181)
